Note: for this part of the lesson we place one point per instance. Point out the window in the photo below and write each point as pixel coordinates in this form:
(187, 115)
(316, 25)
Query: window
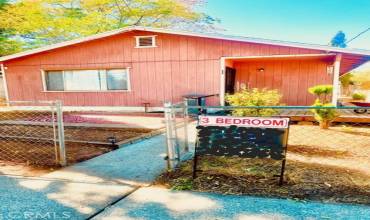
(87, 80)
(145, 41)
(116, 80)
(54, 81)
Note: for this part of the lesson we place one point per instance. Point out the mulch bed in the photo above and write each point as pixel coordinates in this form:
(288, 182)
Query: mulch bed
(327, 165)
(256, 177)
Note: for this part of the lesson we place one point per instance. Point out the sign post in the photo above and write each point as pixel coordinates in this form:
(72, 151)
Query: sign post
(246, 137)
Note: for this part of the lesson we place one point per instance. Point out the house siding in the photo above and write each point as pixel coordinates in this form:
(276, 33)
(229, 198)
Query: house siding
(292, 79)
(177, 66)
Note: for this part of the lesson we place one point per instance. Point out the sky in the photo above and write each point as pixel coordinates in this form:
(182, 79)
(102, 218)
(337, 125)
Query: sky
(307, 21)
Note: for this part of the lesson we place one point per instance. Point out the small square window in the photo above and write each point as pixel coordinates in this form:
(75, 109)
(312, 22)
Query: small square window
(145, 41)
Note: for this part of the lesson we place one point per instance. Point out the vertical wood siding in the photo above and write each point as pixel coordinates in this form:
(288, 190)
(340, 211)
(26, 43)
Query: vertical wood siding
(177, 66)
(291, 78)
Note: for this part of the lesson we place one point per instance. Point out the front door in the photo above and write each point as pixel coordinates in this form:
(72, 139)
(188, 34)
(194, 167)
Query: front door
(230, 80)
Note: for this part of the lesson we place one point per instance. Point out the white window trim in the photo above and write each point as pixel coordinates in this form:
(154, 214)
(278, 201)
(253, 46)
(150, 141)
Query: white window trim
(44, 89)
(43, 78)
(137, 38)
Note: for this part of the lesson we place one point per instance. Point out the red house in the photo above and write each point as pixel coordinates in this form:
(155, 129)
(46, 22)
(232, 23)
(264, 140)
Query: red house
(136, 65)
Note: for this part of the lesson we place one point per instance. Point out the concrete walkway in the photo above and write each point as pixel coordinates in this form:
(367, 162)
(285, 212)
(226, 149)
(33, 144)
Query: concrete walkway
(157, 203)
(80, 191)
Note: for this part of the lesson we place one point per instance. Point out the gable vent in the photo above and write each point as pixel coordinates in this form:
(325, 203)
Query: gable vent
(145, 41)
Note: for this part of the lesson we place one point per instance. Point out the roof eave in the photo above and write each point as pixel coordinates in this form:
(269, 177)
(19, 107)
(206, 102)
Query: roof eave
(328, 49)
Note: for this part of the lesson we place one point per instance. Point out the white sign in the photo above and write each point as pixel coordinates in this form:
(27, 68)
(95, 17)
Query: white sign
(254, 122)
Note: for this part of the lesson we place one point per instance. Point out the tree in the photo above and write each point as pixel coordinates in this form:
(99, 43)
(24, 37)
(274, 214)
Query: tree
(339, 40)
(346, 81)
(7, 45)
(42, 22)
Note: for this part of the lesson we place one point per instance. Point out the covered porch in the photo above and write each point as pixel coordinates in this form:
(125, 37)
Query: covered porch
(291, 75)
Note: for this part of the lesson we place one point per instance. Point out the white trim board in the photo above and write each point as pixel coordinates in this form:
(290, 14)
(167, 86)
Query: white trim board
(316, 55)
(194, 34)
(6, 91)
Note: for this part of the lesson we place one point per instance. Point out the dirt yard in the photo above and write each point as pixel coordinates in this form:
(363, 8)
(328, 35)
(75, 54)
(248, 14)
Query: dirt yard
(33, 145)
(328, 165)
(91, 134)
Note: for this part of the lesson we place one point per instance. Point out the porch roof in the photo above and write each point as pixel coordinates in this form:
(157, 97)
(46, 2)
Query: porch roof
(348, 61)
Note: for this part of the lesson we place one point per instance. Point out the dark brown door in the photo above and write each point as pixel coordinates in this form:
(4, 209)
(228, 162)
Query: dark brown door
(230, 80)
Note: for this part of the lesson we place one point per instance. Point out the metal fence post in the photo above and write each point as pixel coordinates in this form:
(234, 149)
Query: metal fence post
(186, 122)
(61, 150)
(169, 135)
(175, 139)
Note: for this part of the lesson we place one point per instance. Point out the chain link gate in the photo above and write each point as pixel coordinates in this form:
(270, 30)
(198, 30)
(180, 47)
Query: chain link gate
(32, 133)
(177, 132)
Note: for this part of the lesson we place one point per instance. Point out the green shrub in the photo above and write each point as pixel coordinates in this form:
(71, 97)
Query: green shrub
(358, 96)
(346, 80)
(324, 115)
(322, 92)
(254, 97)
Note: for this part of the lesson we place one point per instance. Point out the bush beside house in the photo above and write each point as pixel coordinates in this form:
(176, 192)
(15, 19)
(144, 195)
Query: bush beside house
(255, 97)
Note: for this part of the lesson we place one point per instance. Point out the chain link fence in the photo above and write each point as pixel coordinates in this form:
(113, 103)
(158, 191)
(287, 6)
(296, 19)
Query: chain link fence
(177, 129)
(347, 133)
(32, 133)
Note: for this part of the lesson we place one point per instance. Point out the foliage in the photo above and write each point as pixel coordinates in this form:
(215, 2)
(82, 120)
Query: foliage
(362, 79)
(3, 3)
(322, 92)
(7, 45)
(346, 80)
(322, 113)
(254, 97)
(358, 96)
(42, 22)
(339, 40)
(183, 184)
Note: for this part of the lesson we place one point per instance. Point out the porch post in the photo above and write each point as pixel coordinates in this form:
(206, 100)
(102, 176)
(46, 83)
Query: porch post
(222, 82)
(335, 95)
(6, 93)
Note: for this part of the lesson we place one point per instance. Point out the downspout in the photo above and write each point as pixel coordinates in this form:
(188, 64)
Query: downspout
(2, 70)
(335, 95)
